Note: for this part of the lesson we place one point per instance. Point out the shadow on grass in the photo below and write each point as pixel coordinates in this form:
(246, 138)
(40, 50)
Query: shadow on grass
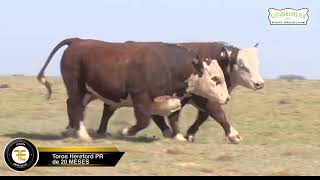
(52, 137)
(34, 136)
(117, 136)
(139, 139)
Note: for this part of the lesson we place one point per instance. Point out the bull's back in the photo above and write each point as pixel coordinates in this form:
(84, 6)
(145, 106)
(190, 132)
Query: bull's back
(114, 69)
(205, 50)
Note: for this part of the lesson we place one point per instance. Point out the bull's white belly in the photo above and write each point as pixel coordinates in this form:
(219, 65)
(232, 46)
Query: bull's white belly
(162, 106)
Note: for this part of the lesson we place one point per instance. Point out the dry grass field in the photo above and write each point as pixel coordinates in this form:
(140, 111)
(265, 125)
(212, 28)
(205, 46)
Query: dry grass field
(280, 126)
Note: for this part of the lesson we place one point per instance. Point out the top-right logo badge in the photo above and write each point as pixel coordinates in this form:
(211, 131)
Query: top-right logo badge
(288, 16)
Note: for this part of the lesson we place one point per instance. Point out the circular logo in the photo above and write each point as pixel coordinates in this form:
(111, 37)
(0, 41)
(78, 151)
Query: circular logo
(20, 155)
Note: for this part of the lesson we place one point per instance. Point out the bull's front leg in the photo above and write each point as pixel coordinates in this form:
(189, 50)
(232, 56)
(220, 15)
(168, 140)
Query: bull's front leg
(201, 118)
(173, 120)
(161, 123)
(216, 112)
(143, 112)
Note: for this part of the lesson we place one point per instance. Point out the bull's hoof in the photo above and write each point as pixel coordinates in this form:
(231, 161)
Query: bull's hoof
(234, 136)
(235, 139)
(191, 138)
(167, 133)
(126, 133)
(179, 137)
(84, 136)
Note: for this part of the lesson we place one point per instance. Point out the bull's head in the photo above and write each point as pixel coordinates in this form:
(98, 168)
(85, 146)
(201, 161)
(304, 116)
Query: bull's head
(208, 81)
(244, 68)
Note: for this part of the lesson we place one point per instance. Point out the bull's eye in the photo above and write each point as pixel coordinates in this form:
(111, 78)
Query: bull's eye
(241, 66)
(216, 80)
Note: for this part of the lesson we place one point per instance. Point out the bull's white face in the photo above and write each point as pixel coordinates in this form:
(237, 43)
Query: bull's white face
(246, 70)
(211, 84)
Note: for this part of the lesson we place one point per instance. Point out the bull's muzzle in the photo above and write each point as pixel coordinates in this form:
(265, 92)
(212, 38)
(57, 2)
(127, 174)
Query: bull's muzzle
(258, 85)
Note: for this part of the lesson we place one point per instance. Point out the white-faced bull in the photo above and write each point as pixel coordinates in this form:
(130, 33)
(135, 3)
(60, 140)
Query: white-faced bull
(153, 78)
(240, 67)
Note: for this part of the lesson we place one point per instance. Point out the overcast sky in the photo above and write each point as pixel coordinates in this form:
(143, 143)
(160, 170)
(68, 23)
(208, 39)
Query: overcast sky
(30, 29)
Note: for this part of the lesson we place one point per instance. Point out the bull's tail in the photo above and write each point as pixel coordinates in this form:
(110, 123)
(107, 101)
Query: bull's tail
(41, 77)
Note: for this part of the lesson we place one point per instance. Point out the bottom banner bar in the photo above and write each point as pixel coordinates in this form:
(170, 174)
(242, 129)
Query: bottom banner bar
(77, 156)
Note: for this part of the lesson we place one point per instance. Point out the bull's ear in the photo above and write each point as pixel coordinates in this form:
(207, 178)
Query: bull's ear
(226, 53)
(256, 45)
(198, 64)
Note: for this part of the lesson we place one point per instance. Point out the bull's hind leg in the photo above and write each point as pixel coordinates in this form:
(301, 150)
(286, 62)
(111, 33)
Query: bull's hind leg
(76, 116)
(107, 113)
(75, 103)
(70, 130)
(143, 111)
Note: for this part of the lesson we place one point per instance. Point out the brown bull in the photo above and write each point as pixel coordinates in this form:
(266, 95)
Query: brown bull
(138, 75)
